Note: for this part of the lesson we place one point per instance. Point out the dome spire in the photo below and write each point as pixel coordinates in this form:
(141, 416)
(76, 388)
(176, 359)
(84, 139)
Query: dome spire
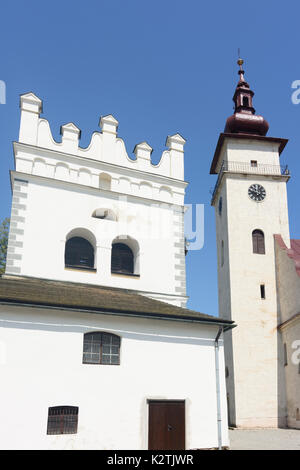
(239, 123)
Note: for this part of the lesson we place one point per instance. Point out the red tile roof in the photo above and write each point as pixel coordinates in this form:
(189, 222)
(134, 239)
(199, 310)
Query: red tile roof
(293, 252)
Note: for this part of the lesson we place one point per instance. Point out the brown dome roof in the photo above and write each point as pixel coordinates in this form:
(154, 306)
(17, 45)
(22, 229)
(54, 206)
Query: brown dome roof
(240, 123)
(244, 120)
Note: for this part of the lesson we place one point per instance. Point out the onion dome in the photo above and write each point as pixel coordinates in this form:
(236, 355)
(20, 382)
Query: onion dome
(244, 120)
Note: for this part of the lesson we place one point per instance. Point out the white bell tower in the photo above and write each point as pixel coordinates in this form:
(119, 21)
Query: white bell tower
(250, 201)
(96, 215)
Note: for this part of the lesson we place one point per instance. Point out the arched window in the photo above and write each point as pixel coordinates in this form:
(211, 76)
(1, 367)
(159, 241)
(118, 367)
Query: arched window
(258, 241)
(101, 348)
(79, 253)
(122, 259)
(104, 213)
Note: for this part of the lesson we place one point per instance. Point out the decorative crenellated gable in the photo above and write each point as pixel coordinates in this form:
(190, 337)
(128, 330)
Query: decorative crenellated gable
(105, 145)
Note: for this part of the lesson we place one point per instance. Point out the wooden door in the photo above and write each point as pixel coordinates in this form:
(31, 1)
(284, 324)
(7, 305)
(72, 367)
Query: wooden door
(166, 425)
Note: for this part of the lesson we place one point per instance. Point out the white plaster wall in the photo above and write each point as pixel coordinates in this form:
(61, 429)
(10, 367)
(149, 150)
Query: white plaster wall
(244, 150)
(224, 292)
(87, 171)
(41, 366)
(54, 209)
(288, 285)
(291, 337)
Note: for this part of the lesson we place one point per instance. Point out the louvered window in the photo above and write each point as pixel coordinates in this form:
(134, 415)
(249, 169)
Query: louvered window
(122, 260)
(62, 420)
(101, 348)
(79, 253)
(245, 101)
(258, 241)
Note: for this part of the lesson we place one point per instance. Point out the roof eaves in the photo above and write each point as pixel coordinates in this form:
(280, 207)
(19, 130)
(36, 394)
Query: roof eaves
(228, 324)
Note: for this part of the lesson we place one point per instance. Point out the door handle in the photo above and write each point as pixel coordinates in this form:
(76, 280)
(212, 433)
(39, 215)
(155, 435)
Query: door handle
(169, 427)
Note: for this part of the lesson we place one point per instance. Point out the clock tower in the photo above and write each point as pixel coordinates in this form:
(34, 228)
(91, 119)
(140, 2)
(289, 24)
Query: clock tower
(250, 202)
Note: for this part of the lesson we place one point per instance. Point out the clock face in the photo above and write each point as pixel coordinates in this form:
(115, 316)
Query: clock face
(257, 192)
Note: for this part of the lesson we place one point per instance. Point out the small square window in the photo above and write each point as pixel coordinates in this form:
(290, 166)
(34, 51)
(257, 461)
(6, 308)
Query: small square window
(254, 163)
(62, 420)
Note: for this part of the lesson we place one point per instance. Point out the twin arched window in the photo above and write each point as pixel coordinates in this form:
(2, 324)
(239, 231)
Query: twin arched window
(79, 253)
(122, 259)
(258, 242)
(101, 348)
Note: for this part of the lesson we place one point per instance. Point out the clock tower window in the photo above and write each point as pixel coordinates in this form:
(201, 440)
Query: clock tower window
(258, 242)
(262, 291)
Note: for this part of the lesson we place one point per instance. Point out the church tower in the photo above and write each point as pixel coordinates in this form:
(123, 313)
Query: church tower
(250, 202)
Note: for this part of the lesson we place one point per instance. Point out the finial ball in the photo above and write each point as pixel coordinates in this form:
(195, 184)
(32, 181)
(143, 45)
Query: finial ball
(240, 62)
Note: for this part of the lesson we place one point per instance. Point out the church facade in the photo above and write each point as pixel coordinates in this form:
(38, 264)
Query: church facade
(98, 349)
(258, 270)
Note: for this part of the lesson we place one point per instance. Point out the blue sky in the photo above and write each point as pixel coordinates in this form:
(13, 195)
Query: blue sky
(160, 67)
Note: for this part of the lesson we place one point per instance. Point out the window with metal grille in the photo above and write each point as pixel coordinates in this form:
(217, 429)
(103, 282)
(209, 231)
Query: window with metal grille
(258, 241)
(79, 253)
(101, 348)
(62, 420)
(122, 259)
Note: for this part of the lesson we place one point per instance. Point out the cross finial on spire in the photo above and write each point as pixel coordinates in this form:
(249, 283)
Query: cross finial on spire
(240, 63)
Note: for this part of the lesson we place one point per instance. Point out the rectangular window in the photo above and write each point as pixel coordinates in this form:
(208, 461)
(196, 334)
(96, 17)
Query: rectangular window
(62, 420)
(285, 359)
(254, 163)
(110, 349)
(262, 291)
